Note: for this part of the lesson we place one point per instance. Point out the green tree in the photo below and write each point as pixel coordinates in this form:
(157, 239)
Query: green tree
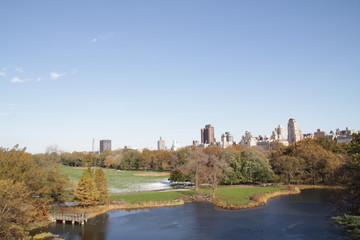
(329, 144)
(178, 175)
(352, 176)
(131, 160)
(102, 186)
(234, 160)
(354, 146)
(247, 165)
(255, 166)
(86, 193)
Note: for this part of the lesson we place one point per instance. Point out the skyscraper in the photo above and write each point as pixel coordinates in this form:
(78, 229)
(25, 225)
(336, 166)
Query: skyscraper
(95, 146)
(279, 134)
(294, 133)
(227, 139)
(161, 144)
(207, 134)
(105, 145)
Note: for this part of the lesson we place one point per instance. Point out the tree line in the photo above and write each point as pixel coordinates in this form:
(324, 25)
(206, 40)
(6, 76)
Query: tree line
(29, 183)
(310, 161)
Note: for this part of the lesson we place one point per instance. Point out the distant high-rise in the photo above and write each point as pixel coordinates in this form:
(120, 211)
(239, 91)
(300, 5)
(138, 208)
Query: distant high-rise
(175, 146)
(95, 146)
(319, 133)
(207, 134)
(161, 144)
(294, 132)
(227, 139)
(105, 145)
(279, 135)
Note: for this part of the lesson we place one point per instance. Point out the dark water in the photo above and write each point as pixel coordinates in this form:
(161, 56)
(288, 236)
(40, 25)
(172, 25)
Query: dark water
(303, 216)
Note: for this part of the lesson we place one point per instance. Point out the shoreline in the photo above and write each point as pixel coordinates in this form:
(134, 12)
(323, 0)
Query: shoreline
(255, 201)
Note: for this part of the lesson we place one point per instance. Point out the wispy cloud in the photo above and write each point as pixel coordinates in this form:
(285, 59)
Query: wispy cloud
(17, 80)
(6, 109)
(3, 74)
(55, 75)
(4, 113)
(19, 69)
(73, 70)
(104, 36)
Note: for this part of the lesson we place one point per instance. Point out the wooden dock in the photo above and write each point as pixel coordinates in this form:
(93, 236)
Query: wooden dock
(79, 218)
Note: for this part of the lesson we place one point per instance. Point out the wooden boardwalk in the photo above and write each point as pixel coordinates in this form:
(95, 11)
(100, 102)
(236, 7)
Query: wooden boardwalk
(80, 218)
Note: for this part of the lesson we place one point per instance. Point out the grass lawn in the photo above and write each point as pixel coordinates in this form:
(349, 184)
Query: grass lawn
(152, 196)
(236, 195)
(130, 181)
(119, 181)
(241, 195)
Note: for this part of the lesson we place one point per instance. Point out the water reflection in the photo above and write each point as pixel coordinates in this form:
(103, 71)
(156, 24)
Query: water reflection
(303, 216)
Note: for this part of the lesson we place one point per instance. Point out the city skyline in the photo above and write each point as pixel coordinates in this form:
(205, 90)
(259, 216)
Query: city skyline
(132, 71)
(227, 139)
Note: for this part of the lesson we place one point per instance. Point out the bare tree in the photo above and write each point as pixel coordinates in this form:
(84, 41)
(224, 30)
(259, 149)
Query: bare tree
(213, 171)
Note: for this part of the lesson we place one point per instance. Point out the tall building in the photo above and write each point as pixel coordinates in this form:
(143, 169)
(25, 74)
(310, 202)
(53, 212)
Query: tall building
(105, 145)
(95, 146)
(207, 134)
(319, 133)
(294, 132)
(279, 135)
(248, 139)
(227, 139)
(175, 146)
(161, 144)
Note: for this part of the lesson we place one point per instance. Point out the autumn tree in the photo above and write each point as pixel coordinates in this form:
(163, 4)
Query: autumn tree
(181, 156)
(321, 164)
(147, 156)
(162, 160)
(86, 193)
(213, 171)
(195, 167)
(28, 185)
(291, 168)
(213, 150)
(102, 186)
(16, 210)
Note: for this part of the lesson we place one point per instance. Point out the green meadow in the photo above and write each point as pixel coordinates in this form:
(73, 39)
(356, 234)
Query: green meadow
(130, 186)
(241, 195)
(121, 181)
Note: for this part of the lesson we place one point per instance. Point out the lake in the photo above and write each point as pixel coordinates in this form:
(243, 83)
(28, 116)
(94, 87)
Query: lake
(301, 216)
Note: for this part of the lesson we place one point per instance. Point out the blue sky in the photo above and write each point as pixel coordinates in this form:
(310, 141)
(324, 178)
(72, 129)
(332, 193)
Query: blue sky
(132, 71)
